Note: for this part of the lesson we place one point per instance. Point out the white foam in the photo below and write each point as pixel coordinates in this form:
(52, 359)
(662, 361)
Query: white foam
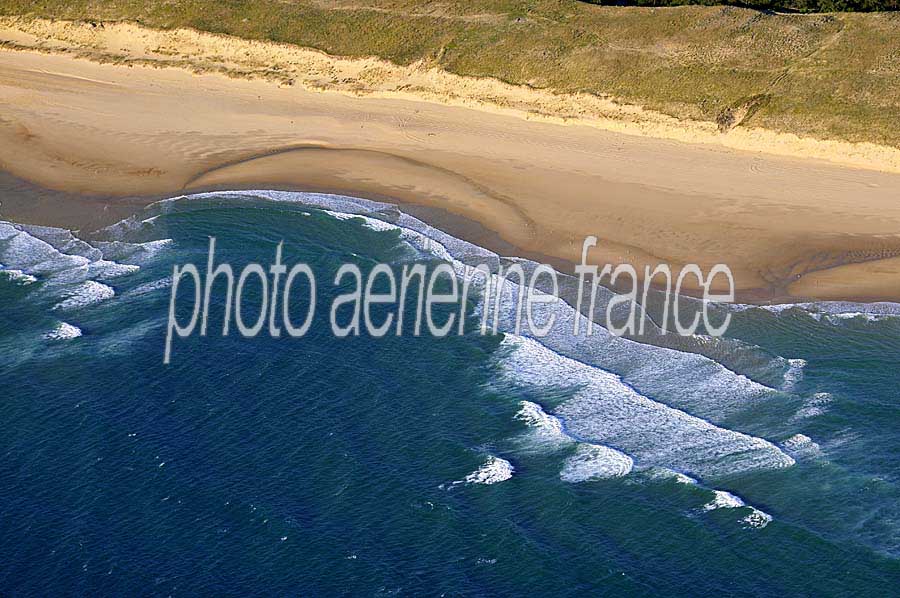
(493, 471)
(593, 462)
(63, 331)
(534, 416)
(149, 287)
(802, 446)
(692, 381)
(377, 215)
(757, 519)
(36, 256)
(794, 374)
(371, 223)
(589, 461)
(341, 215)
(87, 293)
(419, 241)
(606, 411)
(63, 240)
(7, 230)
(814, 406)
(106, 270)
(852, 315)
(99, 270)
(662, 473)
(57, 255)
(684, 479)
(832, 312)
(725, 500)
(19, 276)
(27, 245)
(137, 254)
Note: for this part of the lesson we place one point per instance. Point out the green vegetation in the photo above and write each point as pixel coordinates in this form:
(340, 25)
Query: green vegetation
(833, 75)
(803, 6)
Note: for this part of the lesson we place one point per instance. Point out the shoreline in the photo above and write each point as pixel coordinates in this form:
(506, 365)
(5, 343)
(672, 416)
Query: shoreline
(790, 229)
(93, 213)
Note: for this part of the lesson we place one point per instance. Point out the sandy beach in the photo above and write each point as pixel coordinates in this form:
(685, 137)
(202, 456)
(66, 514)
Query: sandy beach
(97, 116)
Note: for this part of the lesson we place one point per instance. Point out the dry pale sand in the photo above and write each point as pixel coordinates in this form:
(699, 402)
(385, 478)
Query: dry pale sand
(788, 227)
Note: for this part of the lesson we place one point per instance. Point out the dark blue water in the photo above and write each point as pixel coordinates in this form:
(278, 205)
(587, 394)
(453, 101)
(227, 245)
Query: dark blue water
(470, 465)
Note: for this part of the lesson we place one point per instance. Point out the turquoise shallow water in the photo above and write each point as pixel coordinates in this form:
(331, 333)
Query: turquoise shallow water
(765, 463)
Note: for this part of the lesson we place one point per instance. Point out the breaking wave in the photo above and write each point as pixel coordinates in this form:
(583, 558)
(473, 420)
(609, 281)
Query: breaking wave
(593, 462)
(68, 272)
(493, 471)
(657, 404)
(63, 332)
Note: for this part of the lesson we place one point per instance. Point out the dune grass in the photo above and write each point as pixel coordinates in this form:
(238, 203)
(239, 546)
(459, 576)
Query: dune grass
(826, 75)
(804, 6)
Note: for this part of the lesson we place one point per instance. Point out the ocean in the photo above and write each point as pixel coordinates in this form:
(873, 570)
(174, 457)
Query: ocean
(763, 462)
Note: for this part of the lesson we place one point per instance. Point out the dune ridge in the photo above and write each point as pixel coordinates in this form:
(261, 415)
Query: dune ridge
(200, 52)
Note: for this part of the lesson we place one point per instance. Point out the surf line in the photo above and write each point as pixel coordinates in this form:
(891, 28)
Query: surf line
(449, 283)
